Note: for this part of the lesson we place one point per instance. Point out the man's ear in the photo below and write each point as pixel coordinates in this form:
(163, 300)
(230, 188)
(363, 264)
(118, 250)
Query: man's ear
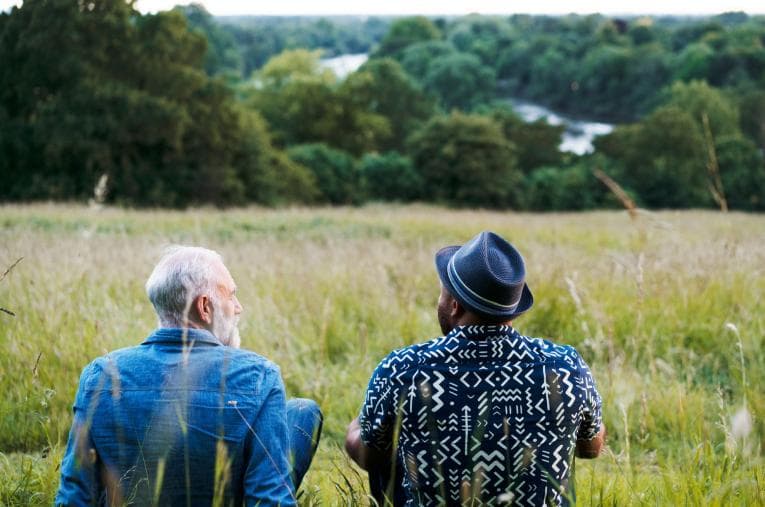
(203, 308)
(457, 310)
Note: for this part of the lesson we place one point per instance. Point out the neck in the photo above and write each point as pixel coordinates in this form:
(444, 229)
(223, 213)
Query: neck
(185, 324)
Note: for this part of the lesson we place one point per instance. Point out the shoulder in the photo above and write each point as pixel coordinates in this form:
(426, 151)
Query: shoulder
(106, 365)
(406, 357)
(249, 358)
(551, 352)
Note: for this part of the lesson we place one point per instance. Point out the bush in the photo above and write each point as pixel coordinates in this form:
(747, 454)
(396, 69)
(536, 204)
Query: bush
(563, 189)
(336, 173)
(390, 177)
(465, 160)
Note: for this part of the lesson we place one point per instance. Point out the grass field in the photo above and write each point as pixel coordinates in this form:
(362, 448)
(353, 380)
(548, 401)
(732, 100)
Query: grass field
(667, 309)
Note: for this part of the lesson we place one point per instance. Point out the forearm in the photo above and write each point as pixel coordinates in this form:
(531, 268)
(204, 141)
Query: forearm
(354, 446)
(79, 484)
(363, 455)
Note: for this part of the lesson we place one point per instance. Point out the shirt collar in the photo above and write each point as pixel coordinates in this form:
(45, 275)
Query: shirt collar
(182, 335)
(481, 332)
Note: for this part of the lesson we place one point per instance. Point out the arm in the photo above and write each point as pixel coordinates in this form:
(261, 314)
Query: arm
(369, 438)
(363, 455)
(267, 479)
(592, 432)
(590, 449)
(80, 483)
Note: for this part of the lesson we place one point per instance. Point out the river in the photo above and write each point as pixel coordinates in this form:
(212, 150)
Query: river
(577, 138)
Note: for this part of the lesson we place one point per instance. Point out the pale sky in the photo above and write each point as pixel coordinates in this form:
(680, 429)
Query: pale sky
(454, 7)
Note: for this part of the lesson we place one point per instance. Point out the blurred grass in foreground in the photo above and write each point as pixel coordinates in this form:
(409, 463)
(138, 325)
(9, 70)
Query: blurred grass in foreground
(667, 310)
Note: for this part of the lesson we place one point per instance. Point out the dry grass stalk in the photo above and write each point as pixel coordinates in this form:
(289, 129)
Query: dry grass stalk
(713, 167)
(7, 271)
(618, 191)
(5, 310)
(99, 192)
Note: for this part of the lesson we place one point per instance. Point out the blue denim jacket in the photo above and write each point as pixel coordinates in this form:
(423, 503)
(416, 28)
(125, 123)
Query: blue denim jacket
(178, 420)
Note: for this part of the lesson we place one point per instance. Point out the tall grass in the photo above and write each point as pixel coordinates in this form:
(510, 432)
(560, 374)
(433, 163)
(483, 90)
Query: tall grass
(666, 308)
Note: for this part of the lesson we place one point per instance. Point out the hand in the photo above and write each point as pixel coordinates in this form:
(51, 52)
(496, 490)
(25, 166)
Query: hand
(590, 449)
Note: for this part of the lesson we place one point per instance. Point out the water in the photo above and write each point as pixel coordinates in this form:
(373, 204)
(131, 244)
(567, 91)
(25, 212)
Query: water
(344, 64)
(577, 138)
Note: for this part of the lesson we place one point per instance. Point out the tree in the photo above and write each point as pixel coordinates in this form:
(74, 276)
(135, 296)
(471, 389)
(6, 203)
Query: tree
(222, 54)
(699, 99)
(417, 58)
(381, 87)
(390, 177)
(337, 176)
(117, 93)
(663, 159)
(405, 32)
(460, 81)
(482, 36)
(536, 143)
(465, 160)
(303, 103)
(742, 170)
(565, 189)
(752, 112)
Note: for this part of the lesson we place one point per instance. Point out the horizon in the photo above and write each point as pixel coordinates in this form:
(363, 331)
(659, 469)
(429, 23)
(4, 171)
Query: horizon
(451, 8)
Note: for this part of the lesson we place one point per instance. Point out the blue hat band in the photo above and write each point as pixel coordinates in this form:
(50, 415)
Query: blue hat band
(476, 300)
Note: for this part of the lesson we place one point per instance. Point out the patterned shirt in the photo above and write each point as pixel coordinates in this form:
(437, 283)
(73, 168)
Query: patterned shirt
(483, 415)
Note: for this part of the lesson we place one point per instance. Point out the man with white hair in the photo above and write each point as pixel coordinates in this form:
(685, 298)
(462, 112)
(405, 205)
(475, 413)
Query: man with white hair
(187, 418)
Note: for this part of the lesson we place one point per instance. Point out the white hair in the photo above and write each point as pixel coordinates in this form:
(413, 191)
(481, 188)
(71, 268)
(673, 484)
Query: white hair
(181, 275)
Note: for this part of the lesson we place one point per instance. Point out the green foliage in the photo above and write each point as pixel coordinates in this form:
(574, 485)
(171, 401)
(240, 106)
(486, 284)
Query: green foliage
(405, 32)
(752, 113)
(381, 87)
(460, 81)
(482, 36)
(565, 189)
(302, 103)
(536, 143)
(391, 177)
(337, 177)
(126, 97)
(417, 58)
(260, 38)
(663, 159)
(293, 65)
(223, 55)
(97, 89)
(698, 99)
(465, 160)
(616, 69)
(742, 170)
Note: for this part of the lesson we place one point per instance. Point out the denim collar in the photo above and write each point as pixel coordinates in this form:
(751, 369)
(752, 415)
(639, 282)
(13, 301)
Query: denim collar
(181, 336)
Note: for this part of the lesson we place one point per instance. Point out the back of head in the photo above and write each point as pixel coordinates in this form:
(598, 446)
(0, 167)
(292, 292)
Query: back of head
(182, 274)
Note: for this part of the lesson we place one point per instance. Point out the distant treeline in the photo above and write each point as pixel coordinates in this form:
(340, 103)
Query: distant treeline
(180, 108)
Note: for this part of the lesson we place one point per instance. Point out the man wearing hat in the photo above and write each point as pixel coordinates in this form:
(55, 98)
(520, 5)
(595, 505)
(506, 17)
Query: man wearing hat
(483, 414)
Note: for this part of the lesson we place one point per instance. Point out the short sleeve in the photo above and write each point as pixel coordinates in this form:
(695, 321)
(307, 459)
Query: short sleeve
(379, 413)
(592, 416)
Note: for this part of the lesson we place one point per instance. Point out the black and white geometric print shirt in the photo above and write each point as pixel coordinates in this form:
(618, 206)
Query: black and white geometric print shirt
(483, 415)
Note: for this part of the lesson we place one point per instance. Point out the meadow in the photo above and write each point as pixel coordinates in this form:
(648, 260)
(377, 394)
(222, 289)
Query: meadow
(667, 308)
